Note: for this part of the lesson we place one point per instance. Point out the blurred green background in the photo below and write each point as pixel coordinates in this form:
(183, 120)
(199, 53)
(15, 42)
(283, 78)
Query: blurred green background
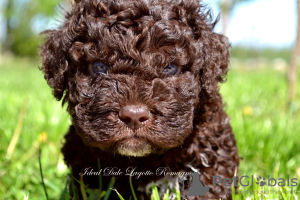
(265, 121)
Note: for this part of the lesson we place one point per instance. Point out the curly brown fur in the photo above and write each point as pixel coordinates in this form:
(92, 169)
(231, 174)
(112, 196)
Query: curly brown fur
(137, 39)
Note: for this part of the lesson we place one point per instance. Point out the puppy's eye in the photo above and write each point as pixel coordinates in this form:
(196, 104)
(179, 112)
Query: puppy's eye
(170, 70)
(99, 68)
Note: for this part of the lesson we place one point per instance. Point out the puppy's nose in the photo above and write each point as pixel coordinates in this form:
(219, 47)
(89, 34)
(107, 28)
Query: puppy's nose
(134, 116)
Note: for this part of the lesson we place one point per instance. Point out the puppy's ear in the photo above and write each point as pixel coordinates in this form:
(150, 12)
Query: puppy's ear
(54, 61)
(215, 56)
(213, 48)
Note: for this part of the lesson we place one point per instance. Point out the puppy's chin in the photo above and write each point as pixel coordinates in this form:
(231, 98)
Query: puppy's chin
(135, 147)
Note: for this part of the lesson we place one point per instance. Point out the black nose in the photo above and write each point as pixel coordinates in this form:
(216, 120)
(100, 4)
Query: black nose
(134, 116)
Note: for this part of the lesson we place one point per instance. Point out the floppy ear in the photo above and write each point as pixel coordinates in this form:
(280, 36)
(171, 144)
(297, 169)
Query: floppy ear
(215, 56)
(213, 48)
(55, 50)
(54, 62)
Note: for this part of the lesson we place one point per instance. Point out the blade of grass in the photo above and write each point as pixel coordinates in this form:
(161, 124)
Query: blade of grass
(177, 194)
(284, 192)
(41, 173)
(233, 192)
(167, 195)
(17, 132)
(120, 196)
(132, 190)
(64, 193)
(94, 194)
(110, 185)
(26, 196)
(102, 194)
(155, 194)
(74, 190)
(82, 189)
(176, 190)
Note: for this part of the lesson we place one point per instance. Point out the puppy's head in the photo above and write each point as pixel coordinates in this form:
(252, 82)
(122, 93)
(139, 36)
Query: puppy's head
(136, 74)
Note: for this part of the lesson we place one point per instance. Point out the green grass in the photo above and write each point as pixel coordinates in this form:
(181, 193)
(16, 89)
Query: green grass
(267, 130)
(268, 134)
(22, 83)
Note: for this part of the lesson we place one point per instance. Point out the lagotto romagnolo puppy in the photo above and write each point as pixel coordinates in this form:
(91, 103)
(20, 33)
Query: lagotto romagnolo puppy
(140, 78)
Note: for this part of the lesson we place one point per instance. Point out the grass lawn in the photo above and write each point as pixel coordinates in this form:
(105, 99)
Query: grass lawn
(267, 130)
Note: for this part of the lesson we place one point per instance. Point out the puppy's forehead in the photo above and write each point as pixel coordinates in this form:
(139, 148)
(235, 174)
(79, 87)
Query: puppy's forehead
(136, 29)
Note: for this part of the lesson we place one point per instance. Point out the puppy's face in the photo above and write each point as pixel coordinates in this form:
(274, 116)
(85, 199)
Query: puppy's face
(132, 72)
(131, 98)
(137, 113)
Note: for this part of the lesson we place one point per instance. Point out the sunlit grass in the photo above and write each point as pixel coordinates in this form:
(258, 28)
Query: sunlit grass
(21, 83)
(267, 130)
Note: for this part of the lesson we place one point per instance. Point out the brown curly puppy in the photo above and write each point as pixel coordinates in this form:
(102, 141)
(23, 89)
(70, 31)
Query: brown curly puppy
(140, 78)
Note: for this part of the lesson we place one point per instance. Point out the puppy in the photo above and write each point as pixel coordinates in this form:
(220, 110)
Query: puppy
(140, 78)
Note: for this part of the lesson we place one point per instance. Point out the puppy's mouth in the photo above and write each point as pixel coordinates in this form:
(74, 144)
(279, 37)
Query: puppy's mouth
(134, 146)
